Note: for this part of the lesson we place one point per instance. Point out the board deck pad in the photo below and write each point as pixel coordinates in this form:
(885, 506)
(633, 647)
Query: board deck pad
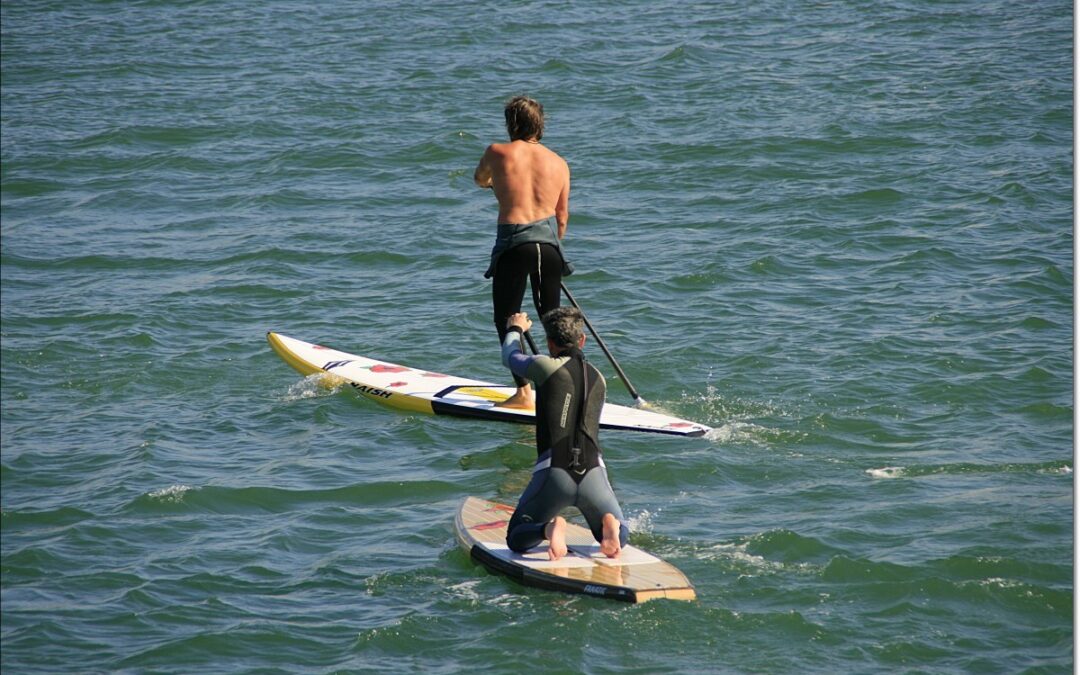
(430, 392)
(635, 576)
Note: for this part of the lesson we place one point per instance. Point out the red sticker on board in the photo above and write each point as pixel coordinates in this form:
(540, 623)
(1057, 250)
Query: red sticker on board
(489, 526)
(383, 368)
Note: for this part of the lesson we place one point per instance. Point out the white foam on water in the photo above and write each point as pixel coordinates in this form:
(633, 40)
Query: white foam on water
(735, 412)
(751, 564)
(738, 432)
(888, 472)
(738, 555)
(1058, 471)
(996, 582)
(172, 494)
(640, 522)
(313, 386)
(465, 590)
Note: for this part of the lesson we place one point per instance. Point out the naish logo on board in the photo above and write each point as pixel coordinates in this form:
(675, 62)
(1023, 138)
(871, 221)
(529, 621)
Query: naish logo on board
(371, 391)
(594, 590)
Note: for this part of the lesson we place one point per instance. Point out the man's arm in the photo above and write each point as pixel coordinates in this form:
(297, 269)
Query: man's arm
(513, 356)
(562, 206)
(483, 174)
(535, 368)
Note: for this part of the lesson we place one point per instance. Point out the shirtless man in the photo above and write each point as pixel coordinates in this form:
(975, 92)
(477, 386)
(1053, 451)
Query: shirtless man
(532, 186)
(569, 469)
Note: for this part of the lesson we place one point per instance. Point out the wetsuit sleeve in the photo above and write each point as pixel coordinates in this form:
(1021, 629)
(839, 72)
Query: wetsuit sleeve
(512, 355)
(536, 369)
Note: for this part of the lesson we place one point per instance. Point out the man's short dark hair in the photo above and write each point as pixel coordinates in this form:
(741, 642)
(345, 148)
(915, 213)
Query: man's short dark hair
(564, 326)
(524, 119)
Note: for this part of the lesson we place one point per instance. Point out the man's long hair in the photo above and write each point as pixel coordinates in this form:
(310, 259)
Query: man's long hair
(524, 119)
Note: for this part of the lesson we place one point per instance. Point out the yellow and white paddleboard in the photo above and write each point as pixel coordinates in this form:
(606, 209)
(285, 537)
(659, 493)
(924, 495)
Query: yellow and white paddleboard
(635, 576)
(429, 392)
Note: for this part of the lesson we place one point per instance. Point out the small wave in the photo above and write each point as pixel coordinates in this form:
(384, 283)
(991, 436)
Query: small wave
(887, 472)
(465, 590)
(640, 522)
(314, 386)
(1048, 468)
(844, 569)
(735, 552)
(790, 547)
(51, 518)
(770, 265)
(262, 499)
(737, 432)
(746, 563)
(736, 412)
(173, 494)
(556, 66)
(878, 196)
(1058, 470)
(995, 582)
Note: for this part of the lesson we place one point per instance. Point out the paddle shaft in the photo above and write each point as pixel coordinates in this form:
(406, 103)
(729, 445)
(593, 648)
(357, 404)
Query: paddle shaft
(603, 347)
(532, 345)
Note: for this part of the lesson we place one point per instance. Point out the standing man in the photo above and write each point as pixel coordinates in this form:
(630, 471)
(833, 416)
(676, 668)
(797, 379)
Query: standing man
(569, 469)
(532, 186)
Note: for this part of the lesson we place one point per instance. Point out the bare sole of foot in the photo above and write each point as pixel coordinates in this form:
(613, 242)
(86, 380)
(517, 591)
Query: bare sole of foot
(557, 538)
(609, 545)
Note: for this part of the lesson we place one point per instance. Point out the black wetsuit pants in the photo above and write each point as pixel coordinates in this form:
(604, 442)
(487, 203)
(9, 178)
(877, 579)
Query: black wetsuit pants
(539, 263)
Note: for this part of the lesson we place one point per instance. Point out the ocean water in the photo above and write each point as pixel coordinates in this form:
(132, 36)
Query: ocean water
(840, 233)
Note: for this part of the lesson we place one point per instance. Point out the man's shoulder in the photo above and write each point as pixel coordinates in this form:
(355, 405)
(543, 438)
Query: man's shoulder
(597, 376)
(552, 362)
(556, 157)
(544, 366)
(495, 151)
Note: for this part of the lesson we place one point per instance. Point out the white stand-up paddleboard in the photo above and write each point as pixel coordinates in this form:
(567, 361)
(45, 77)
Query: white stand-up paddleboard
(429, 392)
(635, 576)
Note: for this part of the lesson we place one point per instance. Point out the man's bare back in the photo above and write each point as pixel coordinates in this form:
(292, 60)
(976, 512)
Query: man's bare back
(532, 185)
(530, 182)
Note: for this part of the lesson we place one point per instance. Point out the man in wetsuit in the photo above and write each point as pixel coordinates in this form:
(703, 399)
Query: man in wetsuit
(569, 469)
(532, 186)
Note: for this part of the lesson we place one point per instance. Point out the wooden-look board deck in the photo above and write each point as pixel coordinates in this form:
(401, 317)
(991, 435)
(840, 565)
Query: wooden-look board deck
(635, 576)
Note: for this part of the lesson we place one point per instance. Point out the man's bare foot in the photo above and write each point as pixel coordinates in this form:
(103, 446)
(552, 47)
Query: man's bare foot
(522, 399)
(610, 546)
(556, 536)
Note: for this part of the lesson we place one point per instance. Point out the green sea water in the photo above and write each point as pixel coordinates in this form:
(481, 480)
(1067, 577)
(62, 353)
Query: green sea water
(840, 233)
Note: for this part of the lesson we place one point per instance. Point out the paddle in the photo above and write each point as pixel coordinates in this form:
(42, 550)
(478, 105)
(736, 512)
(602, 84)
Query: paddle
(633, 392)
(532, 345)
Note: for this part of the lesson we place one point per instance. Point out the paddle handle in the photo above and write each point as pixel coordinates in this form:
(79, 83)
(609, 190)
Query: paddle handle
(603, 347)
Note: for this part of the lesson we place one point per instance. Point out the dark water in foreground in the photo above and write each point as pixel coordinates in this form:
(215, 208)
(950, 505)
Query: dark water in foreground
(841, 234)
